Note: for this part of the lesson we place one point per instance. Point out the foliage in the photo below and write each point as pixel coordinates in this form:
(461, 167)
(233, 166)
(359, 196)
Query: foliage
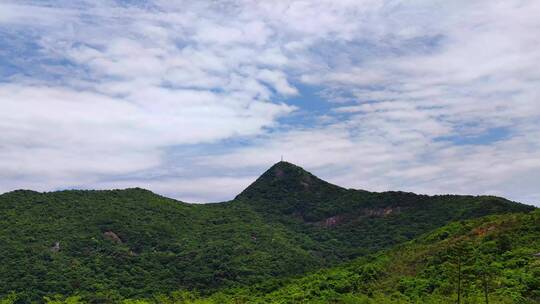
(424, 270)
(107, 246)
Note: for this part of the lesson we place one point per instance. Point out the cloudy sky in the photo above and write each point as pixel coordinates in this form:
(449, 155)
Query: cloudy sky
(194, 99)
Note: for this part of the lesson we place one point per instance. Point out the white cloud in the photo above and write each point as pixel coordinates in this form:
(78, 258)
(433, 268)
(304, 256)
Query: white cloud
(56, 132)
(106, 91)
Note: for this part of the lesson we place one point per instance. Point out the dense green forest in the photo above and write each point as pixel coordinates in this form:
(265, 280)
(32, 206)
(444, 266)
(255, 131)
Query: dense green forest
(494, 259)
(108, 246)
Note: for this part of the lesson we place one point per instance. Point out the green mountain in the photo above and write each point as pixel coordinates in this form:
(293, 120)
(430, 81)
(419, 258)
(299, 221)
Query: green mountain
(346, 223)
(494, 259)
(107, 245)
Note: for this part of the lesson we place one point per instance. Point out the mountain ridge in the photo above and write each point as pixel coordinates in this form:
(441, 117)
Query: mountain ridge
(283, 166)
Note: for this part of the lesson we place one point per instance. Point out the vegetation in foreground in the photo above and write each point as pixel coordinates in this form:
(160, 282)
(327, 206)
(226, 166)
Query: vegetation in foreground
(106, 246)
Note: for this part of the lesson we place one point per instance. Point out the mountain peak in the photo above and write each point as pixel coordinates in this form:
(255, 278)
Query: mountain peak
(283, 169)
(285, 180)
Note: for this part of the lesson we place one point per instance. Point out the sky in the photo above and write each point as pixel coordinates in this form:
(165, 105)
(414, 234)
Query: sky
(195, 99)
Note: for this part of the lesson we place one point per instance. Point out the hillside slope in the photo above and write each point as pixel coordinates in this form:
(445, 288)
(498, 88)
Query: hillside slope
(108, 245)
(495, 259)
(348, 223)
(495, 256)
(133, 243)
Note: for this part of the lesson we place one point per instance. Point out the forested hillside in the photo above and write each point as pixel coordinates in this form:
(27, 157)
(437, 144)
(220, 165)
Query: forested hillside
(111, 245)
(495, 259)
(347, 223)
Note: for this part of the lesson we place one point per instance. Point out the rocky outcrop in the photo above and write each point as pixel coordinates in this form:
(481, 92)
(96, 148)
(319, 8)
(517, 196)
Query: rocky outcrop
(113, 237)
(332, 221)
(382, 212)
(55, 247)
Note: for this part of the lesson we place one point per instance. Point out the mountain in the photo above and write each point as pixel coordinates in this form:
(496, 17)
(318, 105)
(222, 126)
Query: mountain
(134, 243)
(494, 259)
(347, 223)
(108, 245)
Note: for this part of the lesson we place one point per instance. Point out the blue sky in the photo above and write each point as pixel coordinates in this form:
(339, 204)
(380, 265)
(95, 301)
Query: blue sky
(194, 99)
